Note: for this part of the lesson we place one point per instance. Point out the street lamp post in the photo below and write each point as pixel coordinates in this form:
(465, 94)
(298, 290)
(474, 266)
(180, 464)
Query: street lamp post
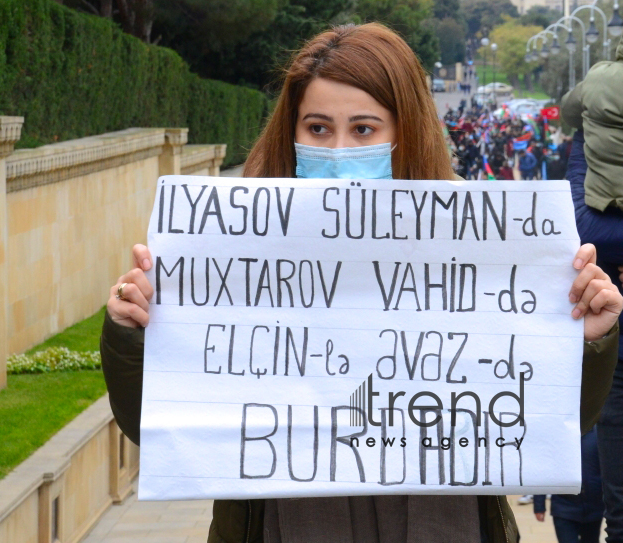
(545, 51)
(592, 34)
(570, 44)
(485, 43)
(494, 48)
(585, 47)
(615, 26)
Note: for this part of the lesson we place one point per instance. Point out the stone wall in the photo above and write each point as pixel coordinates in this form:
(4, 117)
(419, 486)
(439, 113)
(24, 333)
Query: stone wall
(69, 215)
(62, 490)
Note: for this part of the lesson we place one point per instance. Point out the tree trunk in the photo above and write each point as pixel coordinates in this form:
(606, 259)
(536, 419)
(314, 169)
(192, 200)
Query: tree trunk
(106, 8)
(144, 19)
(137, 17)
(126, 15)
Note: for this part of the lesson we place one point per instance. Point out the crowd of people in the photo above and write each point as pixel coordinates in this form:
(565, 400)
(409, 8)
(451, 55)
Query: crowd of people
(487, 144)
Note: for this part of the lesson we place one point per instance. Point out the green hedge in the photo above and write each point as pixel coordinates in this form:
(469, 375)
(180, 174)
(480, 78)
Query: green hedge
(73, 75)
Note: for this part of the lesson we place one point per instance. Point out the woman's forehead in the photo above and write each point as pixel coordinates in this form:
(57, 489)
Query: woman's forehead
(334, 99)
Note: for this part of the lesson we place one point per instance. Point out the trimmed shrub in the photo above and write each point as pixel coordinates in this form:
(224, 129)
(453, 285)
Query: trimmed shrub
(73, 75)
(53, 359)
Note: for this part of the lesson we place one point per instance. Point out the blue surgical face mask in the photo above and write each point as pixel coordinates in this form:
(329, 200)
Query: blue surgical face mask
(367, 162)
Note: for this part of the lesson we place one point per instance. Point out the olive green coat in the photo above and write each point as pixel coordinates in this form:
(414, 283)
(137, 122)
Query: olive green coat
(241, 521)
(596, 105)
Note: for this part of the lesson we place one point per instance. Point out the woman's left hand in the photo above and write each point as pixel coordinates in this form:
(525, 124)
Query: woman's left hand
(595, 296)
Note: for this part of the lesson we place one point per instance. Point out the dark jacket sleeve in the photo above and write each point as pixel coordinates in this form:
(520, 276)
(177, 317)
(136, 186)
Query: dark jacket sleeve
(539, 503)
(602, 229)
(122, 349)
(598, 363)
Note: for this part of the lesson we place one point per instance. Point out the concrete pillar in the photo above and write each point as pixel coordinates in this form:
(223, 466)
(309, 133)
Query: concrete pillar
(219, 155)
(10, 132)
(458, 70)
(170, 161)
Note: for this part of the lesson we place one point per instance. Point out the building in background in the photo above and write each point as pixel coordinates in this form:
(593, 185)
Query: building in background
(561, 5)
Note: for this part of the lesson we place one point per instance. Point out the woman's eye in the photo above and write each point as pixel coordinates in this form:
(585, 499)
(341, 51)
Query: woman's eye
(364, 130)
(318, 129)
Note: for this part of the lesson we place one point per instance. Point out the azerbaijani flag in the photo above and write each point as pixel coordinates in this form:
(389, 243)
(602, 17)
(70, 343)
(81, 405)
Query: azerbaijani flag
(535, 128)
(490, 176)
(521, 142)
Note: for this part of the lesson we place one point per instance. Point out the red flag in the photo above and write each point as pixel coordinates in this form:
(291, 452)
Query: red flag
(552, 113)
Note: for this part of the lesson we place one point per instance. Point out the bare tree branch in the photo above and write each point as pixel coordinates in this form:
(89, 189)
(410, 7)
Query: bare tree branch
(91, 7)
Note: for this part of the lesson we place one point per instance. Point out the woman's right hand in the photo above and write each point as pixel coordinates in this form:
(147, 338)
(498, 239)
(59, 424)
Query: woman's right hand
(133, 309)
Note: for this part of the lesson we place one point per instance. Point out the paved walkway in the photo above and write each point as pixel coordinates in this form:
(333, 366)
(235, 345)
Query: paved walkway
(236, 171)
(153, 522)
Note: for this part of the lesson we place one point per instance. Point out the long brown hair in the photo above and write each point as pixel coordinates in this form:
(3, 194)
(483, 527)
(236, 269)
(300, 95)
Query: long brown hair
(376, 60)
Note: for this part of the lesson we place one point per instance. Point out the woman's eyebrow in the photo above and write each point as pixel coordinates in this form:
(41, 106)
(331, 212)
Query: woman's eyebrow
(353, 119)
(364, 118)
(318, 116)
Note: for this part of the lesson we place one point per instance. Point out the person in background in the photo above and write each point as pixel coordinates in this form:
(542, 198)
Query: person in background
(527, 164)
(555, 167)
(496, 162)
(463, 166)
(564, 152)
(578, 517)
(605, 231)
(537, 152)
(462, 106)
(595, 106)
(472, 155)
(506, 171)
(476, 169)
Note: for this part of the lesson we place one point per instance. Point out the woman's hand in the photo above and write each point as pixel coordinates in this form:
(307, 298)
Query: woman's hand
(133, 309)
(595, 296)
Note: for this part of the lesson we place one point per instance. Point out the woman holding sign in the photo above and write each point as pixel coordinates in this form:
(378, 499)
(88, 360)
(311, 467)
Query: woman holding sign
(355, 104)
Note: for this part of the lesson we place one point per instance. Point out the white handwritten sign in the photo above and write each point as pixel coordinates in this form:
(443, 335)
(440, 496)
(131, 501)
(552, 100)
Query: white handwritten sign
(337, 337)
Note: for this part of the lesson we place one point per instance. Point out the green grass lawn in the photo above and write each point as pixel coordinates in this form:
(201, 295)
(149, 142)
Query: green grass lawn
(82, 336)
(500, 76)
(34, 407)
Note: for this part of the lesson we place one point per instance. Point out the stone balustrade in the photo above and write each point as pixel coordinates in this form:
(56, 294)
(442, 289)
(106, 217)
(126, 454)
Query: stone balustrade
(62, 490)
(70, 213)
